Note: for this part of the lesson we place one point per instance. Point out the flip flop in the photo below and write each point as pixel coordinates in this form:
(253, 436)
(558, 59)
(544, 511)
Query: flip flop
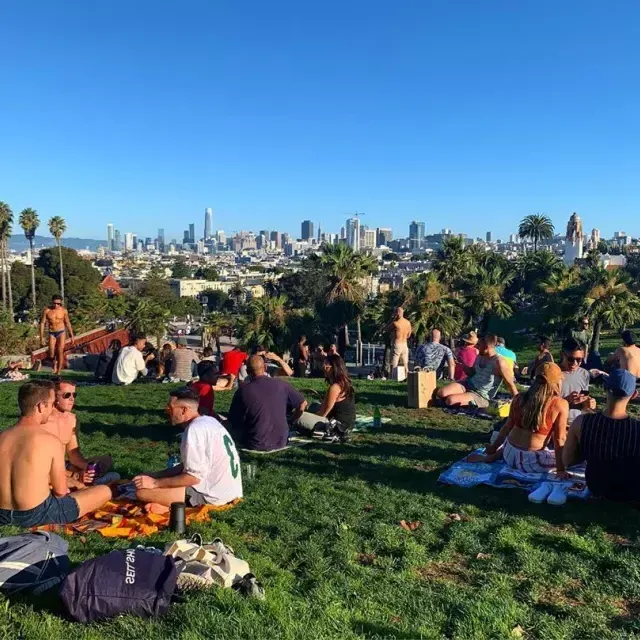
(558, 495)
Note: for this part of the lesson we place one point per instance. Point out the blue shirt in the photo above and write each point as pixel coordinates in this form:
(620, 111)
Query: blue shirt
(501, 350)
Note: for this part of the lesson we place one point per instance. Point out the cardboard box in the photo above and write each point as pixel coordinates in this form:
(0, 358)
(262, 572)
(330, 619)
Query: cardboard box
(421, 386)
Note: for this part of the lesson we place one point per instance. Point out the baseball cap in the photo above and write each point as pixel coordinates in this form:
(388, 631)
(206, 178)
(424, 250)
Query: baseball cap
(621, 383)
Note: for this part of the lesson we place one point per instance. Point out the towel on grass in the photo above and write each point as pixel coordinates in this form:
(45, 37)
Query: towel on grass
(125, 518)
(500, 475)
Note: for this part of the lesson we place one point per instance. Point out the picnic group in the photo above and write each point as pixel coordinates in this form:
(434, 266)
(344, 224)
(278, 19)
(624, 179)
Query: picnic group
(553, 421)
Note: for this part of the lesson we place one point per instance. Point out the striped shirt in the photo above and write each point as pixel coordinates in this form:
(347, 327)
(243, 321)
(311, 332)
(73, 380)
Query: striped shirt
(612, 451)
(181, 360)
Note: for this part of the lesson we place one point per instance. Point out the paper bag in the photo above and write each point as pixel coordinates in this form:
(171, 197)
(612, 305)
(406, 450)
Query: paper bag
(421, 386)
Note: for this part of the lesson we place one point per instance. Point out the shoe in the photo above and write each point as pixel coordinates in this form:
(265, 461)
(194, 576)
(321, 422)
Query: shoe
(558, 495)
(330, 437)
(541, 493)
(345, 437)
(250, 587)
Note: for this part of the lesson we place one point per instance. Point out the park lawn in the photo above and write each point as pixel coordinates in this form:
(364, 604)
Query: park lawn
(320, 527)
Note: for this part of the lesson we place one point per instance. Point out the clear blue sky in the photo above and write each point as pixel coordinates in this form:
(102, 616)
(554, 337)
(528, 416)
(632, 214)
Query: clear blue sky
(467, 114)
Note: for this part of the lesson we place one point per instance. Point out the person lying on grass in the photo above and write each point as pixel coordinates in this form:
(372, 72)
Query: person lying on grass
(484, 378)
(337, 413)
(63, 424)
(33, 482)
(210, 469)
(536, 417)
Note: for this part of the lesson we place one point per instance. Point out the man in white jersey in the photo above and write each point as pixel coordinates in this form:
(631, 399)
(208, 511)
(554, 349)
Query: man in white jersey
(210, 469)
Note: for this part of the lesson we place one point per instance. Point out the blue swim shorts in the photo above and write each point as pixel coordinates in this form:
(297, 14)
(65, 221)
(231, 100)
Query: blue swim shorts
(53, 510)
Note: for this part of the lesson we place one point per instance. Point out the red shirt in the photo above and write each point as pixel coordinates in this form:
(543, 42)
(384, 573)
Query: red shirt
(232, 361)
(466, 355)
(207, 396)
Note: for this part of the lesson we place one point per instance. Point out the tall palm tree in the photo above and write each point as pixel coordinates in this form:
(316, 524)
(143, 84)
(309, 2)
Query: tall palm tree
(347, 272)
(57, 226)
(216, 325)
(485, 294)
(453, 261)
(150, 318)
(6, 221)
(29, 221)
(536, 227)
(265, 323)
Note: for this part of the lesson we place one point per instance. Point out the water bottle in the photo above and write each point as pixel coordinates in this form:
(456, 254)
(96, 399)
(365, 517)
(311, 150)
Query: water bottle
(173, 461)
(177, 517)
(377, 418)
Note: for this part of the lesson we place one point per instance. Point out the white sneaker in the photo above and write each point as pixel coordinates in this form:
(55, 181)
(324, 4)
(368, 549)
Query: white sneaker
(541, 493)
(558, 495)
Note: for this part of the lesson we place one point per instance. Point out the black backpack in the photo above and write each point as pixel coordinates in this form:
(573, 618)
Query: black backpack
(130, 581)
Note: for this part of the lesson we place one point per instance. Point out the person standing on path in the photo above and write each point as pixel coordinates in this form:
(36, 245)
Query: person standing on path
(56, 319)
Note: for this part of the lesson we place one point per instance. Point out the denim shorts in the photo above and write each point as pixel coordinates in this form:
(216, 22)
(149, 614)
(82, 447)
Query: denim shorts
(53, 510)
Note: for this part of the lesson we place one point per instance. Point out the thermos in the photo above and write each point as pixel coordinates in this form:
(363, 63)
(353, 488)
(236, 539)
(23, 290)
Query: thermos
(176, 517)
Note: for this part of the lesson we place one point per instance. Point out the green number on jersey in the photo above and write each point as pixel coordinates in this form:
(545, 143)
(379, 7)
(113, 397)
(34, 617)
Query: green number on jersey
(228, 444)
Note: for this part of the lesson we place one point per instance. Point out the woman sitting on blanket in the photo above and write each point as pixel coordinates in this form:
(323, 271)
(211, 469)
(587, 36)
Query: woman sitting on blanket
(535, 418)
(337, 413)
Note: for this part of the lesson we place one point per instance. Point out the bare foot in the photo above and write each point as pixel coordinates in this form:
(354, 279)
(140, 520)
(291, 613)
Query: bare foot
(156, 507)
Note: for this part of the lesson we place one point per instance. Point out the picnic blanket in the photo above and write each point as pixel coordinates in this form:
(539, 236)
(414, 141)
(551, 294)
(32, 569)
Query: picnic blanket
(502, 476)
(124, 518)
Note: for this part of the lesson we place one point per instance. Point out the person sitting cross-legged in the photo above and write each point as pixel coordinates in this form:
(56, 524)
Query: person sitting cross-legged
(131, 362)
(609, 442)
(484, 378)
(210, 468)
(33, 481)
(537, 417)
(337, 413)
(258, 412)
(432, 355)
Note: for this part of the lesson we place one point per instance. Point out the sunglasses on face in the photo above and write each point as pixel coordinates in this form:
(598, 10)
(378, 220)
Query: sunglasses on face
(572, 360)
(57, 304)
(70, 394)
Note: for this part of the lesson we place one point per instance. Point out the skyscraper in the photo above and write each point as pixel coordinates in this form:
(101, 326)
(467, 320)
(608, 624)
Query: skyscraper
(128, 241)
(276, 237)
(307, 230)
(160, 239)
(117, 241)
(370, 239)
(192, 233)
(384, 236)
(135, 241)
(208, 222)
(416, 235)
(186, 237)
(353, 233)
(489, 236)
(110, 237)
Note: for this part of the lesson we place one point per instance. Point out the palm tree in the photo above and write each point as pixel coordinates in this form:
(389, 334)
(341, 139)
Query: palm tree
(485, 294)
(216, 325)
(6, 221)
(536, 227)
(609, 301)
(347, 272)
(57, 226)
(265, 323)
(29, 222)
(453, 261)
(150, 318)
(236, 292)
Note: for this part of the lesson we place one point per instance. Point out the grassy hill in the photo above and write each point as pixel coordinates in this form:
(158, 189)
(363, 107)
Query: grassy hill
(320, 526)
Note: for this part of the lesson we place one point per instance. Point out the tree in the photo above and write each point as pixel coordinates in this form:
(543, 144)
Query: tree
(6, 221)
(57, 227)
(237, 293)
(29, 221)
(453, 262)
(265, 323)
(533, 269)
(347, 272)
(216, 300)
(216, 325)
(536, 227)
(206, 273)
(485, 294)
(149, 318)
(180, 269)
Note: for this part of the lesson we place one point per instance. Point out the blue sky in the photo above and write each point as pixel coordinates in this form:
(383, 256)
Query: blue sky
(467, 114)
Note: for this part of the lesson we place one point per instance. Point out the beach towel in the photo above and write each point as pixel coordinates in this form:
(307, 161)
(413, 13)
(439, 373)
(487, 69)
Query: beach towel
(502, 476)
(125, 518)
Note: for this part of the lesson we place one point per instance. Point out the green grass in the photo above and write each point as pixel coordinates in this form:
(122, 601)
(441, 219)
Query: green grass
(320, 527)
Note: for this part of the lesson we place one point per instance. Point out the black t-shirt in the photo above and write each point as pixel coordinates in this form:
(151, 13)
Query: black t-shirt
(258, 413)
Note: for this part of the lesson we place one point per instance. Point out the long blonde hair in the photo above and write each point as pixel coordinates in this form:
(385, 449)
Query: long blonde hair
(535, 403)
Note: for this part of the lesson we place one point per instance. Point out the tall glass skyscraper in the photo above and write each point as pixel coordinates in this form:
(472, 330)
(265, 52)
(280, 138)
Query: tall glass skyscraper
(208, 223)
(416, 235)
(110, 237)
(353, 233)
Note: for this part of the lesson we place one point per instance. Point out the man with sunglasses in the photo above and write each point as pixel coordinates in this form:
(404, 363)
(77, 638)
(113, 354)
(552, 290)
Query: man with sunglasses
(56, 319)
(575, 379)
(63, 424)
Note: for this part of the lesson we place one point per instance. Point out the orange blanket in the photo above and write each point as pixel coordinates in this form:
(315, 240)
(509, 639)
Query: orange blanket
(127, 519)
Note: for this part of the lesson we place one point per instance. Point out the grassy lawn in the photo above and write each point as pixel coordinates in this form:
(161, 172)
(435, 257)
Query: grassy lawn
(320, 527)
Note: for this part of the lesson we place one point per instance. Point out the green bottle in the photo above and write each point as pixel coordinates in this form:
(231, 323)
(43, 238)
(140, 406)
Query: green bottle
(377, 418)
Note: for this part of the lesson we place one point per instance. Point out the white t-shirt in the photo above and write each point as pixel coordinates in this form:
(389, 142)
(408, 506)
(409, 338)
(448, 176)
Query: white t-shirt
(209, 454)
(129, 364)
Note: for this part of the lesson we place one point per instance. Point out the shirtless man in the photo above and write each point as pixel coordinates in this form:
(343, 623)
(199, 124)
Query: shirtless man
(33, 482)
(57, 319)
(400, 330)
(627, 356)
(63, 424)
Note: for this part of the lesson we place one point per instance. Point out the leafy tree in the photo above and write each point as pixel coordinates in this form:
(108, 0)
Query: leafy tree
(217, 325)
(16, 337)
(150, 318)
(304, 288)
(180, 269)
(57, 227)
(185, 306)
(29, 221)
(536, 227)
(265, 323)
(6, 221)
(205, 273)
(534, 268)
(603, 247)
(485, 294)
(237, 293)
(216, 300)
(453, 262)
(391, 257)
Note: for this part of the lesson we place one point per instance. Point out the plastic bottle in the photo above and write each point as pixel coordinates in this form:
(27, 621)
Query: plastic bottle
(173, 461)
(377, 418)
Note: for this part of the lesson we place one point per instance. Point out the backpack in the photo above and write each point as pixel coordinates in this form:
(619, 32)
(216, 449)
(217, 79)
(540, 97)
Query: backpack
(123, 581)
(33, 562)
(206, 565)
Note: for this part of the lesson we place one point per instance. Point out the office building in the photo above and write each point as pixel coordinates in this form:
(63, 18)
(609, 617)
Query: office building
(353, 233)
(513, 238)
(135, 241)
(160, 239)
(128, 242)
(186, 237)
(489, 236)
(446, 232)
(307, 230)
(343, 233)
(370, 239)
(192, 233)
(384, 236)
(110, 237)
(117, 241)
(276, 238)
(208, 222)
(416, 235)
(319, 233)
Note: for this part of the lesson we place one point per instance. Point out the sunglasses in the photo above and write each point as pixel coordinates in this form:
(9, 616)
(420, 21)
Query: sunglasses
(57, 304)
(572, 360)
(70, 394)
